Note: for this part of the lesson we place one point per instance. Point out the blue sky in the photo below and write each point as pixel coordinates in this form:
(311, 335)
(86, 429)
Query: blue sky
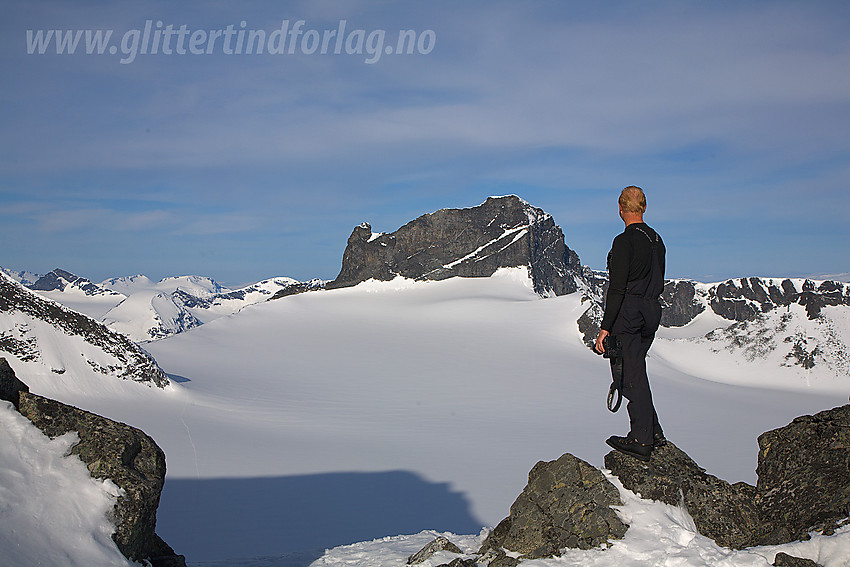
(733, 116)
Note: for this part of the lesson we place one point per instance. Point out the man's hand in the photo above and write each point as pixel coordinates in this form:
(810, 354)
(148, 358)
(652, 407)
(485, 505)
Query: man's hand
(600, 348)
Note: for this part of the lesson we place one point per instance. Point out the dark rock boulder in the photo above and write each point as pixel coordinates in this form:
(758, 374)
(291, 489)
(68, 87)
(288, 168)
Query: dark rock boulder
(785, 560)
(126, 456)
(727, 513)
(567, 503)
(10, 385)
(473, 242)
(804, 475)
(460, 562)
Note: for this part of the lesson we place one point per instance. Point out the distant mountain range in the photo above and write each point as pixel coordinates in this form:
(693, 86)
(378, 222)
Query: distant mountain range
(788, 322)
(43, 332)
(145, 310)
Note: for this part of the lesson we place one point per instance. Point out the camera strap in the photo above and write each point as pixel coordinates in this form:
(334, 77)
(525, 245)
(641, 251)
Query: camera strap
(615, 391)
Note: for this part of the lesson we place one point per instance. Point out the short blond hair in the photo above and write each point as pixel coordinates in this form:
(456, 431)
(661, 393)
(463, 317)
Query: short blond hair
(632, 200)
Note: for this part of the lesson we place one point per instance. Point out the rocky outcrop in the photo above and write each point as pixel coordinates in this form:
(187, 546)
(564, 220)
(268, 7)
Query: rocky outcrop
(567, 503)
(299, 287)
(744, 299)
(785, 560)
(724, 512)
(438, 544)
(474, 242)
(10, 385)
(119, 452)
(679, 303)
(803, 484)
(804, 475)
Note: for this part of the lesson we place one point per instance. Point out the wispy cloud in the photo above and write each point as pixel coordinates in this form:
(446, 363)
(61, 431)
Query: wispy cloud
(734, 115)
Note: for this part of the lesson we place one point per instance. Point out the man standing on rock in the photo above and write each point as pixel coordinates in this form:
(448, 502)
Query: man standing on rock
(632, 315)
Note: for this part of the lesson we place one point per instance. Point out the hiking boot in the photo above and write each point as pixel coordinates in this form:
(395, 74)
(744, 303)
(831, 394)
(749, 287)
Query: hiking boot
(630, 446)
(658, 440)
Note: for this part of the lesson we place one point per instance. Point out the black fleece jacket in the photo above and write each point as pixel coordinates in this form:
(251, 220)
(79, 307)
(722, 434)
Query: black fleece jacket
(629, 260)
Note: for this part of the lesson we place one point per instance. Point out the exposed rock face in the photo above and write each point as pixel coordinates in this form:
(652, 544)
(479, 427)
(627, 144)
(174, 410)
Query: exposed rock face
(123, 454)
(744, 299)
(473, 242)
(679, 305)
(129, 361)
(724, 512)
(299, 287)
(804, 475)
(10, 385)
(119, 452)
(59, 280)
(567, 503)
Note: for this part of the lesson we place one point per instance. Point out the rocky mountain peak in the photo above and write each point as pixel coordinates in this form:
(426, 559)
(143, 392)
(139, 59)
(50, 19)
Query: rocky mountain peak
(471, 242)
(60, 280)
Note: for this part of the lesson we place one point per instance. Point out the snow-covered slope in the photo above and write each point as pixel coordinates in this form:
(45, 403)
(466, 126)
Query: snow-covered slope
(193, 285)
(336, 417)
(154, 311)
(145, 310)
(65, 347)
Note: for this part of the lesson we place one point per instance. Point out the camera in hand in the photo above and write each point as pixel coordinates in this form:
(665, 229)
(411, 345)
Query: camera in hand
(613, 348)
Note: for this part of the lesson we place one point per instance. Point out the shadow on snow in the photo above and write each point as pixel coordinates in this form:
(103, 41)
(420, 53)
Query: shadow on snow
(301, 516)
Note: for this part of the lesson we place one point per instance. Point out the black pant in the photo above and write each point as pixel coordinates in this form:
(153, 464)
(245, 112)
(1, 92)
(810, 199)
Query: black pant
(635, 327)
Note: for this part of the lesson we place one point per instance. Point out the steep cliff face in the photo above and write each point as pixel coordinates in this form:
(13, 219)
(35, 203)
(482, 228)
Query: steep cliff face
(474, 242)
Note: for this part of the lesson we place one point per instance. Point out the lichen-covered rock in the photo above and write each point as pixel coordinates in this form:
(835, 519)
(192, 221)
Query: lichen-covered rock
(804, 475)
(785, 560)
(567, 503)
(126, 456)
(727, 513)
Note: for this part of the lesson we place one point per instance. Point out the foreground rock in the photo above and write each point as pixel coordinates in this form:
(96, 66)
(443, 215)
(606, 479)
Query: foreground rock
(440, 543)
(726, 513)
(803, 484)
(10, 385)
(567, 503)
(475, 242)
(804, 476)
(119, 452)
